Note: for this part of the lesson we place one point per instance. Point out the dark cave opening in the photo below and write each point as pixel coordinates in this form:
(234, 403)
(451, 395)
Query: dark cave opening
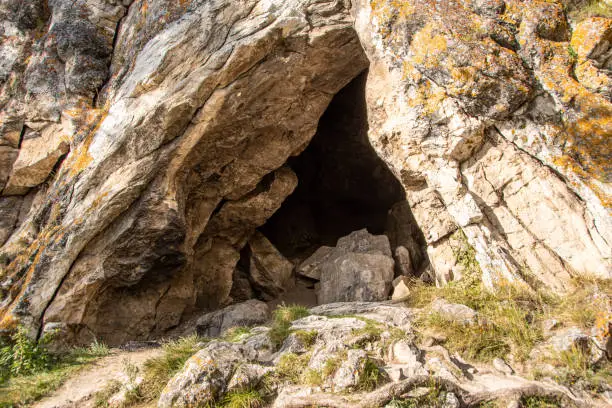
(343, 185)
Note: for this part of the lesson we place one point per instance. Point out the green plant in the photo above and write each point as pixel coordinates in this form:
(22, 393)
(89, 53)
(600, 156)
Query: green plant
(370, 332)
(158, 370)
(236, 334)
(331, 366)
(101, 397)
(291, 366)
(572, 53)
(371, 376)
(22, 355)
(242, 399)
(539, 402)
(431, 399)
(307, 338)
(26, 384)
(312, 377)
(281, 323)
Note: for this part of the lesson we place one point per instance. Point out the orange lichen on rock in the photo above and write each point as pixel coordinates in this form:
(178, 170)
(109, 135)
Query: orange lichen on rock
(81, 158)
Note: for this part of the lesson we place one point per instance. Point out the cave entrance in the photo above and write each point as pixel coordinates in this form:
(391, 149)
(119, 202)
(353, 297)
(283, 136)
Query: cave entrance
(343, 187)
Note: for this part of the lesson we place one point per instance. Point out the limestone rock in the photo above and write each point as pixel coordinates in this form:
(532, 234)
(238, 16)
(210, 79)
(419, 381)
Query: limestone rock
(356, 277)
(401, 288)
(347, 377)
(178, 120)
(249, 313)
(359, 268)
(454, 312)
(566, 339)
(311, 266)
(269, 270)
(203, 378)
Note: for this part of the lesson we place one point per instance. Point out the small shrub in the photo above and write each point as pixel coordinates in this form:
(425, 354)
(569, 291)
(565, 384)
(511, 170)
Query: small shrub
(22, 355)
(29, 371)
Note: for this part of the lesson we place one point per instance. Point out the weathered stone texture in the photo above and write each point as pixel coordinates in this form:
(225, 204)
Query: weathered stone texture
(145, 141)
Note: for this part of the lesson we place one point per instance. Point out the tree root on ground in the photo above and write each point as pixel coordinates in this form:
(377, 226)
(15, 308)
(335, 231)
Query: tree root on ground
(398, 390)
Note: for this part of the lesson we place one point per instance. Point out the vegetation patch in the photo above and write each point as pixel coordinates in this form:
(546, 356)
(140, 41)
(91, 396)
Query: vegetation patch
(307, 338)
(539, 402)
(29, 371)
(242, 399)
(371, 377)
(580, 10)
(281, 323)
(236, 334)
(291, 366)
(159, 370)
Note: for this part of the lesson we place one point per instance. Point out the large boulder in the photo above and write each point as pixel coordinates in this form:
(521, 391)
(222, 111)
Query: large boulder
(250, 313)
(358, 268)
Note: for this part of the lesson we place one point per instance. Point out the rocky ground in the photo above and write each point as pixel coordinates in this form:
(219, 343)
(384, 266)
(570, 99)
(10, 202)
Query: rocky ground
(352, 354)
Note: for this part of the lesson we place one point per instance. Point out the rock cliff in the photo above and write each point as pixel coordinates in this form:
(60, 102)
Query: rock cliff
(144, 142)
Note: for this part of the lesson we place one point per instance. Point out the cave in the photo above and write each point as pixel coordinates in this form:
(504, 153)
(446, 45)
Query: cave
(343, 187)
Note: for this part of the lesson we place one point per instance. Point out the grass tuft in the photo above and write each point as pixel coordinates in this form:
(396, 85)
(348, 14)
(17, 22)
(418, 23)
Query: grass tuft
(159, 370)
(370, 378)
(242, 399)
(236, 334)
(281, 323)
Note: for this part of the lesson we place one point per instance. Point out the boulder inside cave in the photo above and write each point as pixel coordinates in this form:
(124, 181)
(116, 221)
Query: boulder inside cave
(343, 187)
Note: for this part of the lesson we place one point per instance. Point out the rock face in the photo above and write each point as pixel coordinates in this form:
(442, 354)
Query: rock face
(142, 143)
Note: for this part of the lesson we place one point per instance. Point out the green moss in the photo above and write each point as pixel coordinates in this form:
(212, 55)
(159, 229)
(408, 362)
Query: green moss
(539, 402)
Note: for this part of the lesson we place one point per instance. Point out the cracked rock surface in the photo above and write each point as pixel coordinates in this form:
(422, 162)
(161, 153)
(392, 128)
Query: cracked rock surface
(143, 142)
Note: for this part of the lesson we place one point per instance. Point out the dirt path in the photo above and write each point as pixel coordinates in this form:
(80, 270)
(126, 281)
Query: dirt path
(79, 390)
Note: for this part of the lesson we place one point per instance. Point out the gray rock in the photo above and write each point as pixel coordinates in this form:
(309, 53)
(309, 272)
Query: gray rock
(249, 313)
(450, 400)
(347, 377)
(396, 315)
(503, 367)
(204, 377)
(362, 242)
(572, 337)
(311, 266)
(269, 270)
(454, 312)
(356, 277)
(401, 289)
